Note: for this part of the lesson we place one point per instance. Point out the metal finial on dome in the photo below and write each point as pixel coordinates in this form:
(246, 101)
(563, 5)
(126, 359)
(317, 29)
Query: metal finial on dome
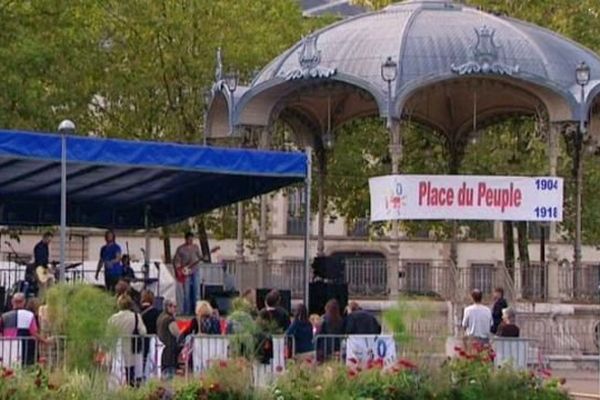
(309, 59)
(484, 56)
(219, 66)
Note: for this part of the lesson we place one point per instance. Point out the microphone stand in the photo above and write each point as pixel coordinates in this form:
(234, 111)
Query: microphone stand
(13, 257)
(145, 268)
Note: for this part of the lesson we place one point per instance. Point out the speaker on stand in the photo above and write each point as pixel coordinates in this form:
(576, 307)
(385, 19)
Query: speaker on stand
(329, 282)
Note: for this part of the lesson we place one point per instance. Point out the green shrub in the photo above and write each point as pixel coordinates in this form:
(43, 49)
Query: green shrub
(80, 313)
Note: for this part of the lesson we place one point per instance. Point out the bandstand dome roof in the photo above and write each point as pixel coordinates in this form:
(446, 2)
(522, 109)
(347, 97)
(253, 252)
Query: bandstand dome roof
(432, 41)
(426, 37)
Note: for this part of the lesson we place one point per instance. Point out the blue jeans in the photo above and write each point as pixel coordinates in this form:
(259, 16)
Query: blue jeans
(190, 293)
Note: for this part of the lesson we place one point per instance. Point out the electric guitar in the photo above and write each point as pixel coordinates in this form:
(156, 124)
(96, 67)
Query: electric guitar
(183, 271)
(46, 274)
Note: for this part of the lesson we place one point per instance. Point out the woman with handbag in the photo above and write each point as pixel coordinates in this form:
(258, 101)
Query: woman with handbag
(130, 327)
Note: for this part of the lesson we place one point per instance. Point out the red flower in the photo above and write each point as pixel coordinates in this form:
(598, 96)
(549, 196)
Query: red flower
(309, 360)
(462, 353)
(458, 349)
(223, 364)
(352, 373)
(407, 364)
(214, 387)
(546, 373)
(353, 360)
(7, 373)
(38, 382)
(279, 368)
(42, 360)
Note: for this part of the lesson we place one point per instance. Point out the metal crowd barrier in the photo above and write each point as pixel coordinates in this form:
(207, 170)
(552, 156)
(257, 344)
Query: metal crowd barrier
(23, 352)
(359, 350)
(209, 349)
(519, 353)
(132, 361)
(129, 364)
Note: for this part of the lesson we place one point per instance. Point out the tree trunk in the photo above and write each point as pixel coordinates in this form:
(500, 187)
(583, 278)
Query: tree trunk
(508, 240)
(166, 237)
(456, 153)
(523, 244)
(203, 239)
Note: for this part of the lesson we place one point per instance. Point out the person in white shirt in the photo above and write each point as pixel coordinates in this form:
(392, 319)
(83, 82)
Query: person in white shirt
(127, 323)
(477, 320)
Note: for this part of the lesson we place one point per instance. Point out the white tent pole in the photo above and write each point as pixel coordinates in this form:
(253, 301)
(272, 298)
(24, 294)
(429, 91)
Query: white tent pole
(65, 127)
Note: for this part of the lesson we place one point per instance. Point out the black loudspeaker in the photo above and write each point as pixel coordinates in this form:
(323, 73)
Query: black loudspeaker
(210, 291)
(2, 299)
(223, 304)
(286, 299)
(218, 298)
(319, 293)
(330, 268)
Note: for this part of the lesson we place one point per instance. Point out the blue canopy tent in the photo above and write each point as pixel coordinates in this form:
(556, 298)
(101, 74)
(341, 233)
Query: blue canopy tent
(118, 184)
(132, 184)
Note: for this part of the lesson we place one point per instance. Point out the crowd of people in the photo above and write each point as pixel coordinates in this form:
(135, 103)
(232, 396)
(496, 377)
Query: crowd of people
(314, 336)
(270, 320)
(138, 315)
(481, 322)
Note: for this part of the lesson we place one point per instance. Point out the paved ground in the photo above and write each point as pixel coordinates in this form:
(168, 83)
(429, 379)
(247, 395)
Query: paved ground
(580, 381)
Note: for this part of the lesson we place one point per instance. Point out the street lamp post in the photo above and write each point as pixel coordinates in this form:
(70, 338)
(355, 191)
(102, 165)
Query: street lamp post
(231, 82)
(65, 128)
(208, 95)
(582, 77)
(389, 72)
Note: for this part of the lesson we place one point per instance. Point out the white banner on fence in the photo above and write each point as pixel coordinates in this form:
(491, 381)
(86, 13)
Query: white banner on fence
(496, 198)
(360, 350)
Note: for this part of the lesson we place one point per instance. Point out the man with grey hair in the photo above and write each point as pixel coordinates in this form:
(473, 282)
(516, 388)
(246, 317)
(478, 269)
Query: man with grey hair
(168, 333)
(507, 327)
(21, 323)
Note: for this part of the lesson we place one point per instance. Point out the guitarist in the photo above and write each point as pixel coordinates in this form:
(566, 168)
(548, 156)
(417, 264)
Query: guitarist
(110, 260)
(186, 260)
(41, 263)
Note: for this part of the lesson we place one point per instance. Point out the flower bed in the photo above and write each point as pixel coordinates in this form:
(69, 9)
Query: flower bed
(470, 376)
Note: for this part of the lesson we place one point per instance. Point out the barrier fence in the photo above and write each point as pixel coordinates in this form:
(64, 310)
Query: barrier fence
(135, 359)
(20, 352)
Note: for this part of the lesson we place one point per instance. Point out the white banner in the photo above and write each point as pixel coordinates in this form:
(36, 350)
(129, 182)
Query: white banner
(496, 198)
(364, 349)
